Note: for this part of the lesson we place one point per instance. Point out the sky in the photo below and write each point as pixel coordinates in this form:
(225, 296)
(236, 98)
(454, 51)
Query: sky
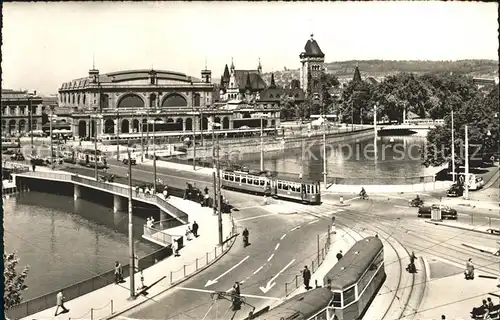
(46, 44)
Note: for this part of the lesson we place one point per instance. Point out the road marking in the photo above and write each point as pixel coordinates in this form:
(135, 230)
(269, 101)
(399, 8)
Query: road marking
(269, 259)
(257, 271)
(256, 217)
(283, 236)
(271, 282)
(250, 207)
(243, 295)
(210, 282)
(277, 246)
(463, 214)
(314, 221)
(297, 227)
(352, 199)
(398, 206)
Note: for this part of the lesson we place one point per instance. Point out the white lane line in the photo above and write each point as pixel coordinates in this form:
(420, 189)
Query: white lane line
(243, 295)
(404, 207)
(283, 236)
(352, 199)
(297, 227)
(269, 259)
(314, 221)
(339, 210)
(277, 246)
(256, 217)
(463, 214)
(243, 208)
(257, 271)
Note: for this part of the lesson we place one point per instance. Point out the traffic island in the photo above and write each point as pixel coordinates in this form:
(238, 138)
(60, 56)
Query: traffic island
(483, 228)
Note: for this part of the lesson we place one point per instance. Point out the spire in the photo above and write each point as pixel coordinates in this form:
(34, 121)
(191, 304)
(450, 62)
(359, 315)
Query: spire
(259, 67)
(226, 74)
(93, 61)
(272, 85)
(232, 64)
(249, 83)
(357, 75)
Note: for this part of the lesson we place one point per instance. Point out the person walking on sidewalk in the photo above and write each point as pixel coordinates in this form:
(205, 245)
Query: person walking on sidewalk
(339, 255)
(118, 272)
(306, 275)
(188, 234)
(60, 303)
(195, 229)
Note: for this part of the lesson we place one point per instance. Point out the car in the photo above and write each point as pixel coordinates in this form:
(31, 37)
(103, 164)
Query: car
(455, 190)
(478, 185)
(37, 161)
(8, 152)
(17, 157)
(446, 212)
(132, 161)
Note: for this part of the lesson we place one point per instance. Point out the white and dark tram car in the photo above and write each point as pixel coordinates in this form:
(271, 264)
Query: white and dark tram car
(88, 158)
(306, 192)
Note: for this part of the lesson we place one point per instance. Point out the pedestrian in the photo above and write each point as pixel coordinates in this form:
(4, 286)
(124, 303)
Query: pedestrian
(490, 304)
(175, 248)
(443, 317)
(195, 229)
(34, 167)
(118, 272)
(137, 191)
(60, 303)
(339, 255)
(188, 233)
(165, 192)
(306, 275)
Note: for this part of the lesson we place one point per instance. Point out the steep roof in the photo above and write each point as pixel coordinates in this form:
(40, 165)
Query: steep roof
(357, 75)
(312, 49)
(226, 75)
(256, 81)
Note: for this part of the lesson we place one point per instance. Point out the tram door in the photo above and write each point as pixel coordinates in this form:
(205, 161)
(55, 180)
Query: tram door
(303, 194)
(86, 159)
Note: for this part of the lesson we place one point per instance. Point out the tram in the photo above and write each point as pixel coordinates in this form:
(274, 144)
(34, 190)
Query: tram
(10, 143)
(87, 157)
(356, 278)
(311, 305)
(306, 192)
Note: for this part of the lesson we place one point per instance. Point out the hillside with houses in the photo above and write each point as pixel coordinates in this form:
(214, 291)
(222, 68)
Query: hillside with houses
(379, 69)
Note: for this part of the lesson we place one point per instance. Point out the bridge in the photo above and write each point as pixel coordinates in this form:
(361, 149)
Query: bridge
(415, 126)
(119, 191)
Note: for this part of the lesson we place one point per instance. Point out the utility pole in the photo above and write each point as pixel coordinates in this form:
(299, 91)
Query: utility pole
(302, 153)
(194, 141)
(96, 173)
(131, 230)
(31, 124)
(375, 129)
(154, 156)
(466, 180)
(51, 148)
(219, 194)
(324, 157)
(452, 148)
(117, 135)
(214, 173)
(261, 145)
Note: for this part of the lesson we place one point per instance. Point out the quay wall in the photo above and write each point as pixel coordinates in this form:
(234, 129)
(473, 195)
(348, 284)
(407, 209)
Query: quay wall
(278, 144)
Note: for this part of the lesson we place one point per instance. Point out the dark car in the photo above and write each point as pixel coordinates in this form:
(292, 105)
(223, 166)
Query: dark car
(132, 161)
(455, 191)
(446, 212)
(17, 157)
(37, 161)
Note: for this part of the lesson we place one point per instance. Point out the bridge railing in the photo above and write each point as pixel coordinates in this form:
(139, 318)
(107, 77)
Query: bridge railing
(48, 175)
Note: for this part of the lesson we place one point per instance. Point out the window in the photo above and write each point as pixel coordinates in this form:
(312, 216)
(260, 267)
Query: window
(280, 186)
(225, 176)
(231, 178)
(262, 182)
(285, 187)
(256, 182)
(243, 180)
(349, 295)
(237, 179)
(250, 181)
(365, 279)
(308, 189)
(337, 300)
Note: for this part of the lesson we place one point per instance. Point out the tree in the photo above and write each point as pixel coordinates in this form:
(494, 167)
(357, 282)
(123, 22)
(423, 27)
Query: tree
(13, 281)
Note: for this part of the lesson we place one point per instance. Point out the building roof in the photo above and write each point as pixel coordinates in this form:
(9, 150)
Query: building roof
(357, 75)
(312, 49)
(353, 264)
(256, 81)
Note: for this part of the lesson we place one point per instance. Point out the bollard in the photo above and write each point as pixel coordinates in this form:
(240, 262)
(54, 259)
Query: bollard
(184, 270)
(207, 258)
(91, 314)
(286, 289)
(111, 306)
(341, 200)
(170, 277)
(296, 281)
(196, 264)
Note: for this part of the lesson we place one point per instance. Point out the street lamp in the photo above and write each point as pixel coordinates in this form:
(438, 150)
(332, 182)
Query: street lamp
(466, 180)
(262, 143)
(95, 116)
(325, 172)
(131, 228)
(452, 148)
(217, 192)
(30, 96)
(117, 135)
(141, 128)
(215, 160)
(154, 149)
(51, 117)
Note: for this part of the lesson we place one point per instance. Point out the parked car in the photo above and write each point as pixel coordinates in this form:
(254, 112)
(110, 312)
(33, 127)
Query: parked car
(455, 190)
(446, 212)
(37, 161)
(478, 185)
(132, 161)
(17, 157)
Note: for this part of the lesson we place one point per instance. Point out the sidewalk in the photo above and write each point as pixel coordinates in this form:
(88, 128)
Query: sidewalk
(177, 166)
(491, 205)
(386, 188)
(481, 226)
(195, 256)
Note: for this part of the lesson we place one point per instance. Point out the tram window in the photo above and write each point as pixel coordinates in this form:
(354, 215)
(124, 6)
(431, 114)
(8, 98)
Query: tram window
(250, 181)
(285, 187)
(280, 186)
(256, 182)
(298, 189)
(366, 278)
(262, 182)
(337, 300)
(231, 178)
(308, 188)
(237, 178)
(225, 177)
(268, 183)
(243, 180)
(349, 295)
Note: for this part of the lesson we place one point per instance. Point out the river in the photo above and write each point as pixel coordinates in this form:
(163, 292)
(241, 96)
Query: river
(66, 241)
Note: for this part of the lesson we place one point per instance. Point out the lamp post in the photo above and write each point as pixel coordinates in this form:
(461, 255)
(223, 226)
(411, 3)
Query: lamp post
(141, 128)
(466, 180)
(375, 131)
(452, 148)
(117, 135)
(219, 195)
(261, 144)
(51, 117)
(131, 229)
(215, 160)
(30, 96)
(96, 172)
(325, 172)
(154, 122)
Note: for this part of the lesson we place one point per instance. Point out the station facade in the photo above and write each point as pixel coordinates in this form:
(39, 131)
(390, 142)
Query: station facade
(18, 108)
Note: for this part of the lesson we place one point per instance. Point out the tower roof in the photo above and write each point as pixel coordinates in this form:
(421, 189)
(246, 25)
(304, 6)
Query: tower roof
(357, 75)
(312, 49)
(226, 75)
(273, 84)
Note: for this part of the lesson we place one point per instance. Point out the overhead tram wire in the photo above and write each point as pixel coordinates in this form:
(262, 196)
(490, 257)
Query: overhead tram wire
(93, 273)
